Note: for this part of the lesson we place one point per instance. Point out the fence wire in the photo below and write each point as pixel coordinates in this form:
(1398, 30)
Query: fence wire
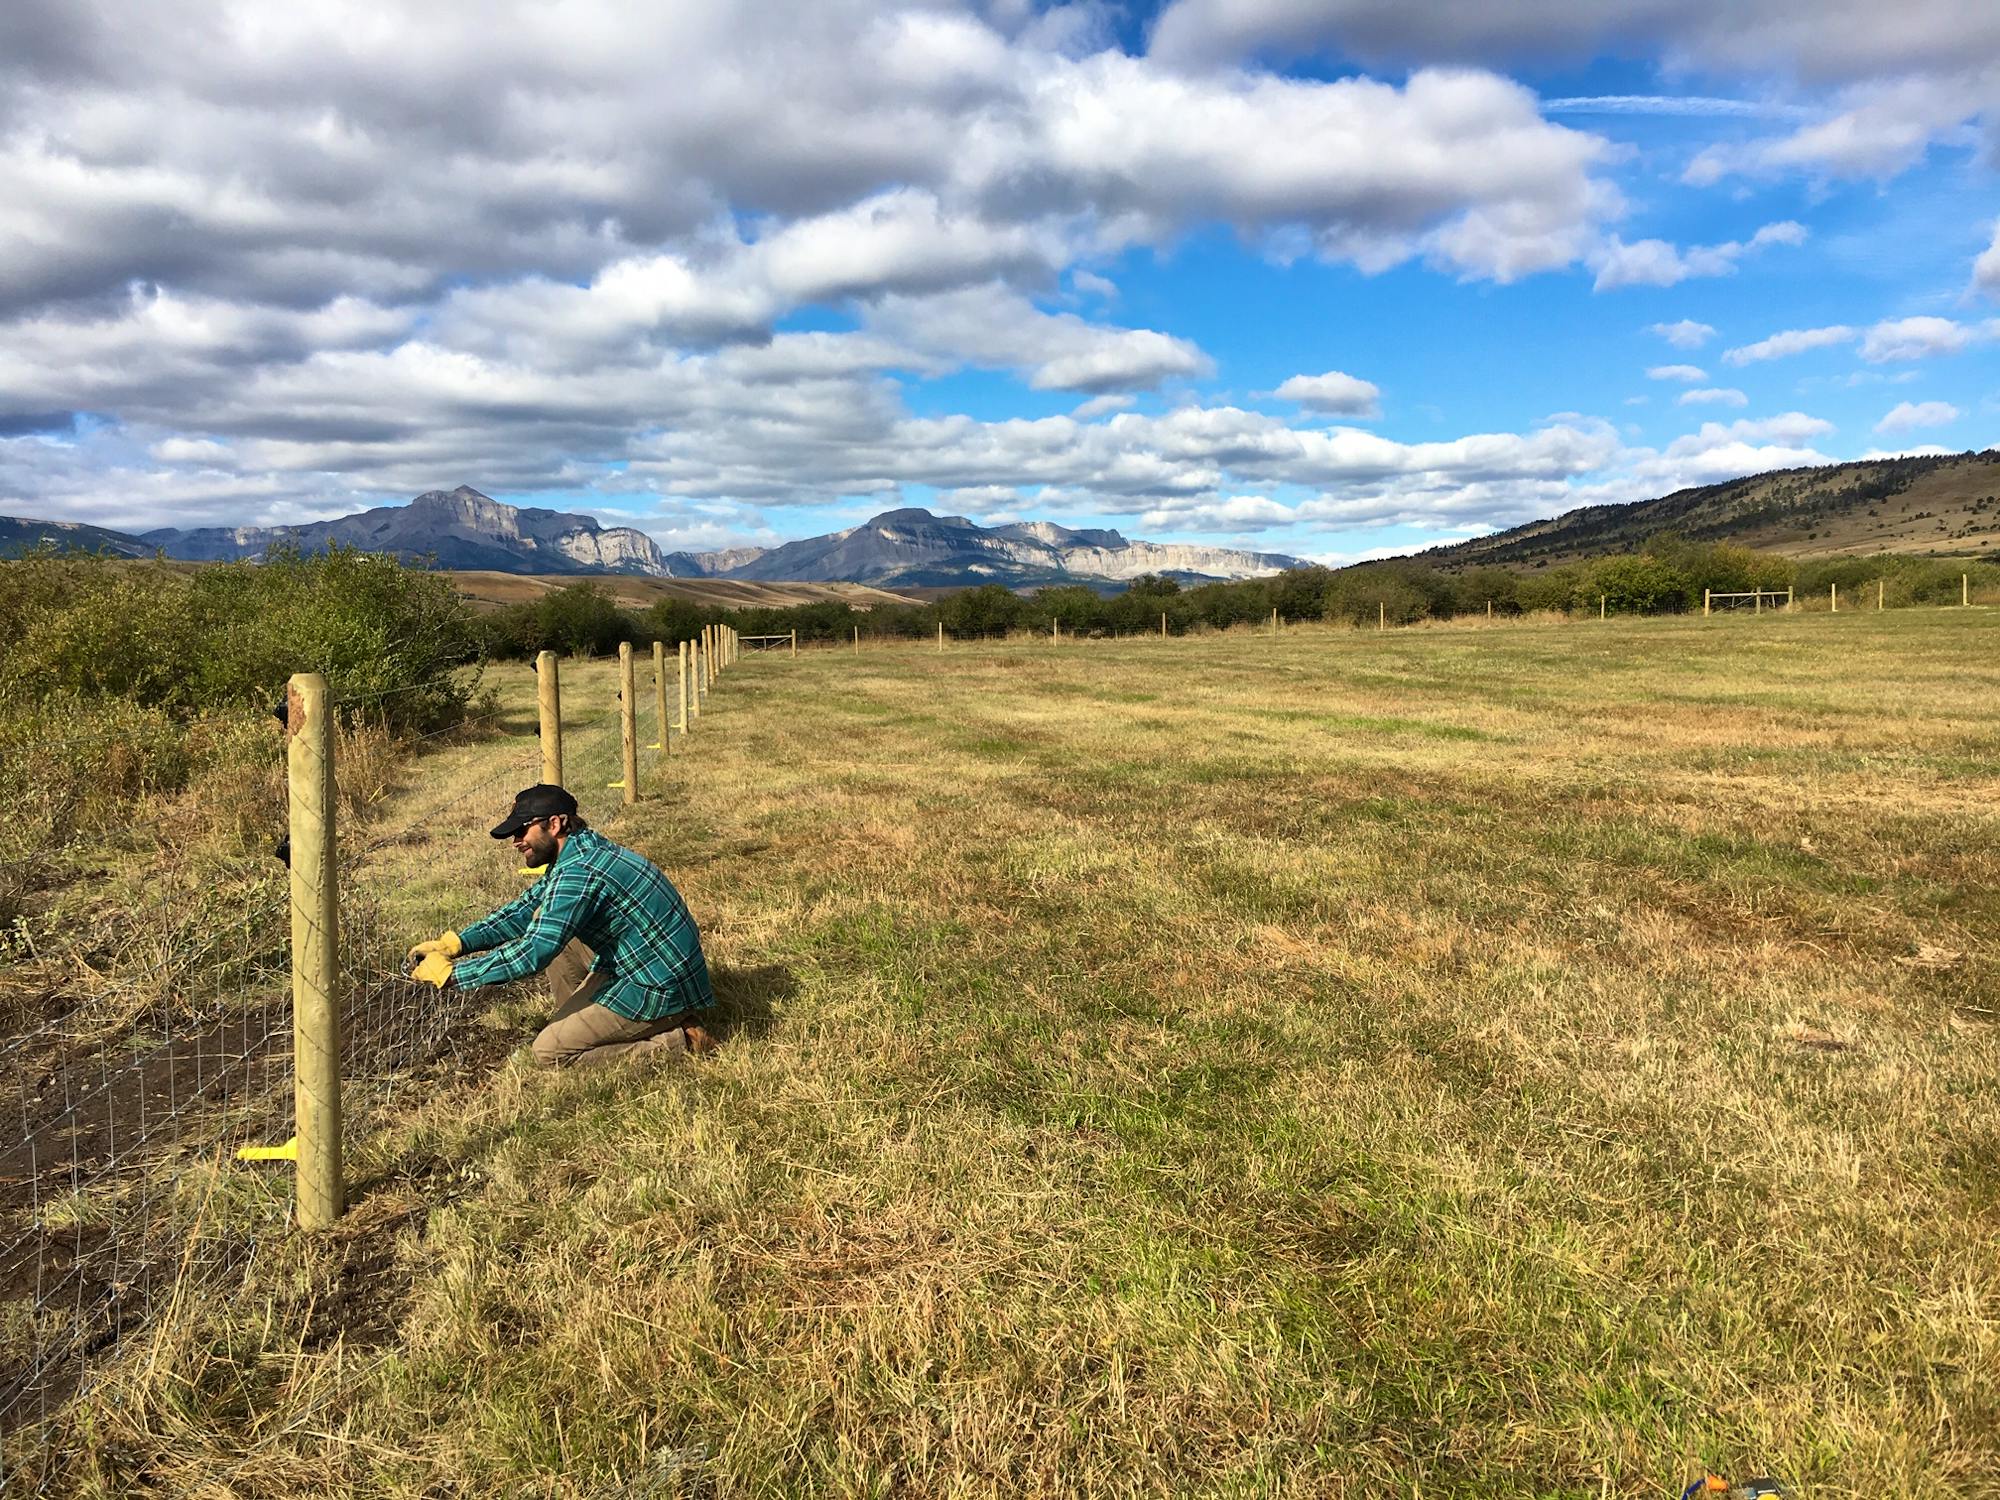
(128, 1084)
(128, 1092)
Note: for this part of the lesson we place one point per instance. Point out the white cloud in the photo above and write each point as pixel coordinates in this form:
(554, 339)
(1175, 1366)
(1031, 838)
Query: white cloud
(1916, 338)
(1907, 414)
(1713, 396)
(1686, 334)
(1677, 372)
(1921, 450)
(1098, 406)
(992, 326)
(1237, 513)
(1657, 263)
(1833, 39)
(192, 451)
(1334, 392)
(1790, 341)
(1091, 284)
(1986, 269)
(1882, 128)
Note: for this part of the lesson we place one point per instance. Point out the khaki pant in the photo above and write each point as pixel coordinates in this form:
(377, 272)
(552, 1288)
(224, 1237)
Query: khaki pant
(584, 1034)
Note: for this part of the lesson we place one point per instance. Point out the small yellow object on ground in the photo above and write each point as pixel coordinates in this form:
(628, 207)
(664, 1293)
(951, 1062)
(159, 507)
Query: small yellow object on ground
(287, 1152)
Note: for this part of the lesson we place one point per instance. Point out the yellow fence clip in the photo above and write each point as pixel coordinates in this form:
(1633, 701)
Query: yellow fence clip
(533, 872)
(287, 1152)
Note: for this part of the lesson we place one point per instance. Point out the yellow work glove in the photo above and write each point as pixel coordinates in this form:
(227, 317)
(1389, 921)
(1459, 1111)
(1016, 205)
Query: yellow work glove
(446, 944)
(435, 969)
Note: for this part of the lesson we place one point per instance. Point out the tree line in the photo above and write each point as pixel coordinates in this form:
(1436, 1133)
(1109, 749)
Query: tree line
(1668, 577)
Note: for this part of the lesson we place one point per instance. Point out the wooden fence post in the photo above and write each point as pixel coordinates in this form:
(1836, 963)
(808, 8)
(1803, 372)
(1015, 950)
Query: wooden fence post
(1965, 590)
(1705, 595)
(1833, 596)
(1381, 615)
(1163, 624)
(857, 640)
(1489, 609)
(1600, 606)
(1878, 596)
(940, 635)
(549, 694)
(694, 674)
(795, 643)
(322, 1193)
(683, 653)
(1274, 622)
(1788, 598)
(660, 696)
(628, 726)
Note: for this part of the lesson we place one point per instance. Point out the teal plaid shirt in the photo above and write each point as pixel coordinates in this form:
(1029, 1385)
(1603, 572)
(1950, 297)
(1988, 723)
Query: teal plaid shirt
(619, 904)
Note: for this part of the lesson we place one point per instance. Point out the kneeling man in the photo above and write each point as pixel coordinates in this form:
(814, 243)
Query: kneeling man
(624, 960)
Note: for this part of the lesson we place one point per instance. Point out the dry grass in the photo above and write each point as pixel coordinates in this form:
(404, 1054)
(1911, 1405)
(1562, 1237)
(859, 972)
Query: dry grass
(1492, 1061)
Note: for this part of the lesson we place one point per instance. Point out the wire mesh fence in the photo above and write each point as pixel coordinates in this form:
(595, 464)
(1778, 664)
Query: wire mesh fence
(140, 1090)
(129, 1094)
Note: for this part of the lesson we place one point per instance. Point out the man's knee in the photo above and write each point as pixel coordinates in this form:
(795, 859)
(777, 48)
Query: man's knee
(551, 1048)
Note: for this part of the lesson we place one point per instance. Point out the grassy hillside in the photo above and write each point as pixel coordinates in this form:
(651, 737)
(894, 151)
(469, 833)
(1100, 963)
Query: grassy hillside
(20, 534)
(1537, 1060)
(634, 592)
(1944, 507)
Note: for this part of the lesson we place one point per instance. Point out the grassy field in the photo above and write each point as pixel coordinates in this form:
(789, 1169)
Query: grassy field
(1538, 1060)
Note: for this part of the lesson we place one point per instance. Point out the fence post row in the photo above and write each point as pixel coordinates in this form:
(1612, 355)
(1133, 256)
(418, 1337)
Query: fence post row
(315, 951)
(549, 693)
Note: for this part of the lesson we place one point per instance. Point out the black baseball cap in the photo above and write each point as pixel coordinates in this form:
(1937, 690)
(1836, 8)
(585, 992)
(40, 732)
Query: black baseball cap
(538, 801)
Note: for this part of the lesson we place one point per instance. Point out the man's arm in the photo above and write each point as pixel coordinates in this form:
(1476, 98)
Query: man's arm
(504, 925)
(563, 898)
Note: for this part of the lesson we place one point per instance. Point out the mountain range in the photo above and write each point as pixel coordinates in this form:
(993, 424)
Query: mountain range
(464, 530)
(1942, 505)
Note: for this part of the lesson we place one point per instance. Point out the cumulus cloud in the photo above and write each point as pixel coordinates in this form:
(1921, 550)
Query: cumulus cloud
(1880, 129)
(1917, 338)
(1908, 414)
(1688, 373)
(1686, 334)
(1098, 406)
(990, 325)
(1334, 392)
(1838, 39)
(1900, 79)
(310, 155)
(1986, 268)
(1236, 513)
(1713, 396)
(1657, 263)
(1790, 341)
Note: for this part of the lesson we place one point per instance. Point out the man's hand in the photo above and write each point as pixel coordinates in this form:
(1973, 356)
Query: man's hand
(435, 969)
(445, 944)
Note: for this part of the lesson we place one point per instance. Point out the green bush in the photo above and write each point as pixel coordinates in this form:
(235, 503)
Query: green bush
(228, 636)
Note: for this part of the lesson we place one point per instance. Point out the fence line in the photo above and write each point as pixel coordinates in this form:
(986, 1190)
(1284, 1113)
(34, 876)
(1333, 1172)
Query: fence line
(133, 1094)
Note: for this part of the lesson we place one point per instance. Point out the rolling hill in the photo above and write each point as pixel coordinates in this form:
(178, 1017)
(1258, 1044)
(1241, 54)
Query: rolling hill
(1944, 506)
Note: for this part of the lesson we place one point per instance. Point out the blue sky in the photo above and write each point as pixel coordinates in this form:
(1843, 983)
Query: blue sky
(1329, 277)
